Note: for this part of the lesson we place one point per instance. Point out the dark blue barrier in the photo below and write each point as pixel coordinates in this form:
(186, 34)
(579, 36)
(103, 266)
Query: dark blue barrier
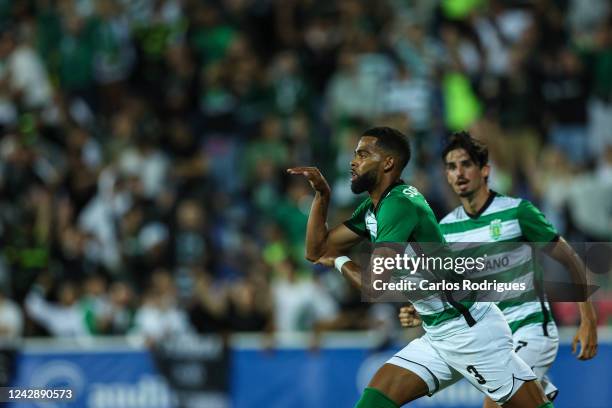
(333, 378)
(99, 379)
(293, 378)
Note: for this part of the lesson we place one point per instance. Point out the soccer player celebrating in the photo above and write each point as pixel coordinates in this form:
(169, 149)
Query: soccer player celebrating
(486, 216)
(471, 340)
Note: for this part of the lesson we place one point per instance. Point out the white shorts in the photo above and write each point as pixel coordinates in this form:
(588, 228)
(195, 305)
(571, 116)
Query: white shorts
(538, 351)
(483, 354)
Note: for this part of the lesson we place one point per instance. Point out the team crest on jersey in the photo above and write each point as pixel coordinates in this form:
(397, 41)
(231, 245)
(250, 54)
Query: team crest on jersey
(495, 229)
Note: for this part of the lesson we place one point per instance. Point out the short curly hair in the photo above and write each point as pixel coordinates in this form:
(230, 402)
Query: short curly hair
(392, 140)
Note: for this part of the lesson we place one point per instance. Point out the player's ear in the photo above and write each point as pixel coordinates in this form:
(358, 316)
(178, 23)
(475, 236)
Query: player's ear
(485, 170)
(388, 163)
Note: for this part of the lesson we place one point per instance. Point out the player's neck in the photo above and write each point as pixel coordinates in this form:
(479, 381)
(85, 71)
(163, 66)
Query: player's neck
(377, 193)
(473, 204)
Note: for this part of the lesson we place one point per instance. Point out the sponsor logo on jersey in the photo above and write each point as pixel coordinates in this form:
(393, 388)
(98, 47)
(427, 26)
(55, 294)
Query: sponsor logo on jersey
(497, 263)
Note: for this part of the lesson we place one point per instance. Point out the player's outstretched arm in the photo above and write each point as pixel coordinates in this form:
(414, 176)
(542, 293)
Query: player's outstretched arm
(562, 252)
(349, 269)
(352, 271)
(319, 239)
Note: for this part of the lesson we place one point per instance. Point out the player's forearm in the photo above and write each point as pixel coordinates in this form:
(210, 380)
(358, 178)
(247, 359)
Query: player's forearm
(587, 312)
(352, 273)
(316, 229)
(565, 254)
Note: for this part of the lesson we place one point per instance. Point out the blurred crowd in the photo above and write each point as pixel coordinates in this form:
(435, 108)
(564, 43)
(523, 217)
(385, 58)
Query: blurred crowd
(143, 146)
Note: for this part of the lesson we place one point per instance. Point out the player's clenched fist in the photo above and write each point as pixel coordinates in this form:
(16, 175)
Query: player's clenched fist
(314, 177)
(408, 317)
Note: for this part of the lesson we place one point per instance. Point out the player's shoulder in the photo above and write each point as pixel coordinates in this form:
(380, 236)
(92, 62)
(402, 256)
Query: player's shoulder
(503, 202)
(457, 215)
(400, 201)
(403, 195)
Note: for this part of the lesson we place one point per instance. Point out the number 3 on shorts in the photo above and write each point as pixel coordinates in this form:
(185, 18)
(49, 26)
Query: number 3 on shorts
(472, 370)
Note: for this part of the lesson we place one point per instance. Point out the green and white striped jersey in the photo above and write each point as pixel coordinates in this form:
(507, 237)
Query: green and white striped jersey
(507, 219)
(404, 216)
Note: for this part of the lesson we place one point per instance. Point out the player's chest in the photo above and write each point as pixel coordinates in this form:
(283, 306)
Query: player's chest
(493, 229)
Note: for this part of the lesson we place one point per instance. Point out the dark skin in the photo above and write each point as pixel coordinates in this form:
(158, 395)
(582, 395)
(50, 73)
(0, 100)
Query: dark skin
(323, 246)
(468, 181)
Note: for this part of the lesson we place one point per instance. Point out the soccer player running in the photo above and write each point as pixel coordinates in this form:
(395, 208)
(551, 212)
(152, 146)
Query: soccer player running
(486, 216)
(469, 340)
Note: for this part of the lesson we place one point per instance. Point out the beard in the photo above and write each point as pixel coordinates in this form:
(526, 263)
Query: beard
(365, 182)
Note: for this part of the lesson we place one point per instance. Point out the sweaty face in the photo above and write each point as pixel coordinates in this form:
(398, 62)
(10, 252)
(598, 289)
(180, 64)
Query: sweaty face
(464, 176)
(366, 165)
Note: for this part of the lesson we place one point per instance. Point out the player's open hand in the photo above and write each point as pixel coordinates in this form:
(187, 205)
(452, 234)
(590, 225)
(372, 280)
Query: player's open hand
(314, 177)
(409, 317)
(587, 337)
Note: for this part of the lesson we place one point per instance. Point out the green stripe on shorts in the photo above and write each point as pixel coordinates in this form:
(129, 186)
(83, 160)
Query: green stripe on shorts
(537, 317)
(435, 319)
(530, 296)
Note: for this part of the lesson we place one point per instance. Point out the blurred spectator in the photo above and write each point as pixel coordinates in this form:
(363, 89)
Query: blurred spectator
(191, 246)
(23, 77)
(250, 306)
(11, 319)
(209, 308)
(119, 316)
(565, 93)
(594, 216)
(66, 318)
(95, 303)
(146, 162)
(299, 301)
(138, 137)
(268, 146)
(554, 177)
(598, 59)
(159, 316)
(410, 96)
(291, 92)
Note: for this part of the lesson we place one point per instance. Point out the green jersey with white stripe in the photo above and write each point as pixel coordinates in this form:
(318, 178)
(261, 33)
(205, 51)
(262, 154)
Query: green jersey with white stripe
(401, 216)
(507, 219)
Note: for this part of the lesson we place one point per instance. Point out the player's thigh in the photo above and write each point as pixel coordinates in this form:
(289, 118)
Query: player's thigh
(535, 348)
(489, 403)
(419, 369)
(529, 395)
(484, 355)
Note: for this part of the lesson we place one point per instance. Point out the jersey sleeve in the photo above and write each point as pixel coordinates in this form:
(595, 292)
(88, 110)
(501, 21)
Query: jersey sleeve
(534, 225)
(397, 219)
(357, 221)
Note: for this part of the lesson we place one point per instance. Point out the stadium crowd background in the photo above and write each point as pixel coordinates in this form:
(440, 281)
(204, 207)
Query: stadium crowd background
(144, 144)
